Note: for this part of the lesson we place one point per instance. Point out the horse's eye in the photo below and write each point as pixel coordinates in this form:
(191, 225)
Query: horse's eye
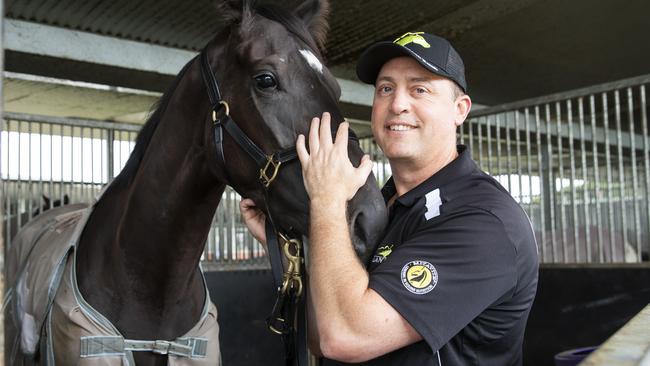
(266, 81)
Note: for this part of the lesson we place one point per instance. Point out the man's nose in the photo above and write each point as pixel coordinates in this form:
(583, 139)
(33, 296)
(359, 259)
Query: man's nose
(400, 102)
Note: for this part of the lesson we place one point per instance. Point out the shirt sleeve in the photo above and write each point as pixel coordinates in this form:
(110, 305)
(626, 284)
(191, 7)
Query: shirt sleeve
(447, 272)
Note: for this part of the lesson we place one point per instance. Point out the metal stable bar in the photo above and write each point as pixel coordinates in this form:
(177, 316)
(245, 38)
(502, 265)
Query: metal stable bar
(646, 152)
(621, 170)
(489, 146)
(61, 194)
(551, 183)
(461, 134)
(30, 200)
(572, 163)
(610, 197)
(529, 171)
(541, 183)
(479, 128)
(20, 185)
(6, 213)
(518, 159)
(635, 200)
(560, 160)
(508, 156)
(497, 125)
(76, 122)
(51, 187)
(585, 191)
(470, 131)
(597, 194)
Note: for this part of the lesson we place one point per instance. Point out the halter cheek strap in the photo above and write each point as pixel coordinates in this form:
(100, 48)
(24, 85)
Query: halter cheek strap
(288, 314)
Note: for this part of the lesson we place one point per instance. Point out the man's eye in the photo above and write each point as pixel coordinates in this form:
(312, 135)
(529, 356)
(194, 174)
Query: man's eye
(420, 90)
(385, 89)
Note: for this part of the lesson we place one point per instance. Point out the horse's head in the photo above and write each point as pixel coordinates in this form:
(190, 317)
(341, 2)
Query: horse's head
(270, 72)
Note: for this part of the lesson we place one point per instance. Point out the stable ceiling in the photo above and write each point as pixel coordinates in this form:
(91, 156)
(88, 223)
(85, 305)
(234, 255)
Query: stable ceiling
(513, 49)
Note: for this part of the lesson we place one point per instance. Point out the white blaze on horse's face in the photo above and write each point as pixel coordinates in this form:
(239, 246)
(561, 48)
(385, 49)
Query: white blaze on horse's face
(312, 60)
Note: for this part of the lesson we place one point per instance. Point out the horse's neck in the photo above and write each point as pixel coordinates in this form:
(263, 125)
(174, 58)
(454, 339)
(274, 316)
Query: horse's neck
(138, 256)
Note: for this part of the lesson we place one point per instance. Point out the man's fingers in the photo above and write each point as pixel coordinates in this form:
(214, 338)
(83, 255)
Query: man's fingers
(246, 204)
(342, 135)
(301, 149)
(325, 130)
(365, 167)
(314, 143)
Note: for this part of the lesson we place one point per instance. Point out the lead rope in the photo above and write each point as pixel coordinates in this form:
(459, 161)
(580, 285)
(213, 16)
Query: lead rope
(288, 316)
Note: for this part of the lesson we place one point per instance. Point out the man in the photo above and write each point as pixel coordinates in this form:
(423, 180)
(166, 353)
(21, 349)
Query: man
(454, 278)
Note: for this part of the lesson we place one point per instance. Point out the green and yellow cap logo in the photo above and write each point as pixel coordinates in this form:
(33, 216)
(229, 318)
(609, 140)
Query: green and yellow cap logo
(412, 37)
(419, 277)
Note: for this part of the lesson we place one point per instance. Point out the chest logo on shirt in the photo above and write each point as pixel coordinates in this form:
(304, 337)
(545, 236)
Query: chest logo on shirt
(419, 277)
(382, 253)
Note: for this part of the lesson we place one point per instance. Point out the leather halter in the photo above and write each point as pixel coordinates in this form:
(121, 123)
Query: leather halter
(269, 165)
(288, 315)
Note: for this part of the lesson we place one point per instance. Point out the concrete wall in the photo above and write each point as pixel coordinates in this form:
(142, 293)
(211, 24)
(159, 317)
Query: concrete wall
(575, 307)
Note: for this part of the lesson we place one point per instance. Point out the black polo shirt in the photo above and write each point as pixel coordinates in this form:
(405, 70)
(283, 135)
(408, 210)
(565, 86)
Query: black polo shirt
(459, 263)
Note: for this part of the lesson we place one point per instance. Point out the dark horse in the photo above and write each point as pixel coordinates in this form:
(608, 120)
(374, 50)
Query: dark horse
(138, 255)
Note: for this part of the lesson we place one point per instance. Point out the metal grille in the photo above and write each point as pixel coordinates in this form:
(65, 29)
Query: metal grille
(578, 164)
(47, 161)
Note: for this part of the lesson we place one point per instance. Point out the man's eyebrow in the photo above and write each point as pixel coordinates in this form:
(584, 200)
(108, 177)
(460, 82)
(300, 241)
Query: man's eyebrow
(385, 78)
(419, 79)
(416, 79)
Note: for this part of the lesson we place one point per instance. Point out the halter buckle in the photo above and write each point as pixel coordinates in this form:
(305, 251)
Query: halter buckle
(214, 111)
(270, 163)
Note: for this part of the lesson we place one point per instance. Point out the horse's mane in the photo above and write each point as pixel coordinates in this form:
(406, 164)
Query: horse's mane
(146, 133)
(290, 21)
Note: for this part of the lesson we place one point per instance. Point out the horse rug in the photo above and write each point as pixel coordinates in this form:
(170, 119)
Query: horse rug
(49, 311)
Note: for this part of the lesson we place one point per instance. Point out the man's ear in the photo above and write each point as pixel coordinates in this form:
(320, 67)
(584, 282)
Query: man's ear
(463, 106)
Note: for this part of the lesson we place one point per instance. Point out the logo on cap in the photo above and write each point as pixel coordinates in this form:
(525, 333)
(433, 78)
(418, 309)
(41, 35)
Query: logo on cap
(412, 37)
(419, 277)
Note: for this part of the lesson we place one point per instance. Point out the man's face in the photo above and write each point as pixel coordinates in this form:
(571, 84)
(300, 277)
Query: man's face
(415, 112)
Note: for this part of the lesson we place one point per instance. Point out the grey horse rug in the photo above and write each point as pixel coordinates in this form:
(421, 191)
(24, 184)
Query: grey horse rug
(51, 316)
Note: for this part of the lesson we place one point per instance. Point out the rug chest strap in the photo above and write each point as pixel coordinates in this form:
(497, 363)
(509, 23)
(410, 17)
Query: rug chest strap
(103, 346)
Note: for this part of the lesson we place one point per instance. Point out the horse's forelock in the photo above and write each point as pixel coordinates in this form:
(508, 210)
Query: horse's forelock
(314, 14)
(234, 11)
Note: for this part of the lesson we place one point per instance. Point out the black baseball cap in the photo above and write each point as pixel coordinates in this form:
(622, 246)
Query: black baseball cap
(432, 52)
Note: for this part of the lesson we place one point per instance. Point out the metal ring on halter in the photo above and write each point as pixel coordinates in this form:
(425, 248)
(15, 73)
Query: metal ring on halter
(225, 105)
(264, 178)
(274, 329)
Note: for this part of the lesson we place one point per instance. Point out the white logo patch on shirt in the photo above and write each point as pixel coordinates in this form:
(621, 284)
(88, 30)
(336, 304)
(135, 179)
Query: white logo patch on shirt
(433, 203)
(312, 60)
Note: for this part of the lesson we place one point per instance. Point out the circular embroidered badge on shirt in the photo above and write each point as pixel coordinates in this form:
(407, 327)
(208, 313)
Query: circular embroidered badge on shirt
(419, 277)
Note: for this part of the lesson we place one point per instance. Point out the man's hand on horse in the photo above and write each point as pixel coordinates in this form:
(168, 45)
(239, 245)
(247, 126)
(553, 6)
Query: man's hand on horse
(327, 171)
(254, 219)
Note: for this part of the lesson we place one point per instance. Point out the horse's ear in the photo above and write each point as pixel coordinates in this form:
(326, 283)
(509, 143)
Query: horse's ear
(234, 11)
(314, 13)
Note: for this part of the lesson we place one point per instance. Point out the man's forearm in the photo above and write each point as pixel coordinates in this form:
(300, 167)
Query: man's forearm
(338, 280)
